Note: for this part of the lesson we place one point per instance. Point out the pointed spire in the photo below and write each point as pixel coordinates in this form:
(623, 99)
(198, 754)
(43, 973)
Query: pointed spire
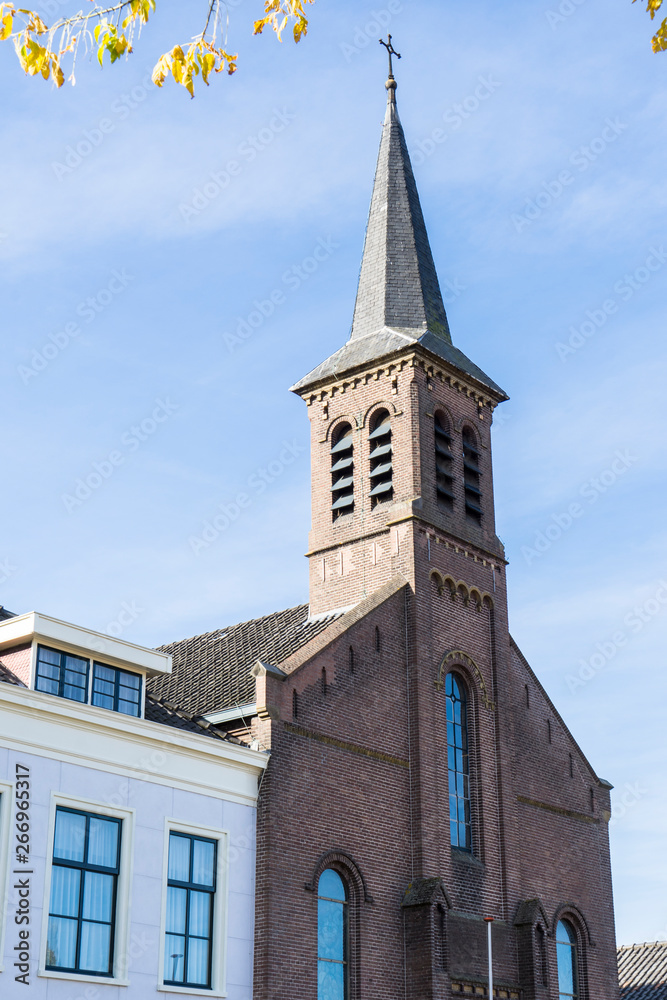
(398, 284)
(399, 303)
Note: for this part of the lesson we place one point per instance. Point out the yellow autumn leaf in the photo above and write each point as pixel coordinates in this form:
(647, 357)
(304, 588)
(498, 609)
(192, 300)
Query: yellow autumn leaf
(207, 66)
(6, 25)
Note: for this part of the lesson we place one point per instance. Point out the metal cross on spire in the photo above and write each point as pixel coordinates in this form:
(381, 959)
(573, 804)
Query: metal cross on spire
(391, 51)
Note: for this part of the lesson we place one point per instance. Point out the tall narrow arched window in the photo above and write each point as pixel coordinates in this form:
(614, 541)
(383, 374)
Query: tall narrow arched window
(471, 476)
(458, 763)
(381, 471)
(332, 937)
(342, 471)
(566, 953)
(444, 473)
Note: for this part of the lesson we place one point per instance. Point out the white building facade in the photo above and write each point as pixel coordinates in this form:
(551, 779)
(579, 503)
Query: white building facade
(127, 829)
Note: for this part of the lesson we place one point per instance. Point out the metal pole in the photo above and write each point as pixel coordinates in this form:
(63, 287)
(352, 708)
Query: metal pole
(489, 921)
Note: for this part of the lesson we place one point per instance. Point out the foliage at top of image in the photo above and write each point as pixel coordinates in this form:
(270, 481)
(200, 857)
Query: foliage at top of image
(111, 31)
(659, 40)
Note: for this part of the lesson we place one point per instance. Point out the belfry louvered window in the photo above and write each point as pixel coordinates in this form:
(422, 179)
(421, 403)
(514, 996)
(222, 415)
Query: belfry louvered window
(381, 473)
(471, 476)
(444, 477)
(342, 472)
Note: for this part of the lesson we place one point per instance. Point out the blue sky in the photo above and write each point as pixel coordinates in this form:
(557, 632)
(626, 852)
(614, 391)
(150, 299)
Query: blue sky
(136, 260)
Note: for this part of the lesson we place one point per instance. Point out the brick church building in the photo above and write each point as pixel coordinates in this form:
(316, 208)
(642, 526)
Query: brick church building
(420, 779)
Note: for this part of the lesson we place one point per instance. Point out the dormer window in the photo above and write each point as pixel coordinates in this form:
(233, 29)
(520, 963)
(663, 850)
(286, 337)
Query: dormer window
(61, 674)
(381, 472)
(342, 472)
(66, 676)
(444, 478)
(117, 690)
(471, 476)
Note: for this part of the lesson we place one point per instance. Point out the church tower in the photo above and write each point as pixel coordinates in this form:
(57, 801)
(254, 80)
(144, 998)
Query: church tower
(401, 418)
(420, 779)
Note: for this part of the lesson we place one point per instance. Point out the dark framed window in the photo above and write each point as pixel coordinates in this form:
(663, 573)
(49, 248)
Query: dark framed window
(471, 476)
(61, 674)
(342, 471)
(458, 763)
(566, 954)
(381, 452)
(84, 883)
(115, 689)
(191, 882)
(444, 461)
(332, 937)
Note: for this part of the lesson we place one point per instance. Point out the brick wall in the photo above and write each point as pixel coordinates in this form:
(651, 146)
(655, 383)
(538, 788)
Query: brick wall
(358, 772)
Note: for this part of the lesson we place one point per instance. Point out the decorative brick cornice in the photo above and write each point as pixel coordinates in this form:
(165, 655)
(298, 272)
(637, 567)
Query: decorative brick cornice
(434, 368)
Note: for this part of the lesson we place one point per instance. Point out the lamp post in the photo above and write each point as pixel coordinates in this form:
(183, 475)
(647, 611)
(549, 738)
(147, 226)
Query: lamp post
(489, 921)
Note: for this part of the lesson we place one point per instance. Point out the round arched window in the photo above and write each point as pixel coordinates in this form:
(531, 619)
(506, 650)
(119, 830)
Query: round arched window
(566, 952)
(332, 947)
(457, 763)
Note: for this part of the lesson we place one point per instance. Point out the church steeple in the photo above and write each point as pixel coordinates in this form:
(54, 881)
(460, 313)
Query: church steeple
(398, 284)
(399, 303)
(400, 418)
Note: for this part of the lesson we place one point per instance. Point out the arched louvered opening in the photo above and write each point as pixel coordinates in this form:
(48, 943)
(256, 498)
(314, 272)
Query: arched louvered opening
(471, 476)
(444, 473)
(381, 474)
(342, 472)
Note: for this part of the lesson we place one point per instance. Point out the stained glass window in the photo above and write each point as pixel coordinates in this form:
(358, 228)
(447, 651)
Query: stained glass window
(331, 937)
(566, 953)
(458, 765)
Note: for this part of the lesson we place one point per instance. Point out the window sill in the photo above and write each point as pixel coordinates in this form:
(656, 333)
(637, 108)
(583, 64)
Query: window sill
(79, 977)
(190, 991)
(466, 858)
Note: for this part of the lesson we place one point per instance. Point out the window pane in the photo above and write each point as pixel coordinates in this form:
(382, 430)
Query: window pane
(179, 858)
(103, 673)
(200, 913)
(202, 862)
(176, 902)
(103, 842)
(132, 681)
(103, 700)
(197, 962)
(330, 930)
(174, 958)
(97, 896)
(48, 656)
(128, 707)
(74, 693)
(65, 883)
(330, 981)
(331, 885)
(70, 838)
(61, 943)
(95, 943)
(47, 686)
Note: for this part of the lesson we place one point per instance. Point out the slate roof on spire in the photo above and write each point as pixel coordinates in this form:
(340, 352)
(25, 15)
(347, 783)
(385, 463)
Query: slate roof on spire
(399, 301)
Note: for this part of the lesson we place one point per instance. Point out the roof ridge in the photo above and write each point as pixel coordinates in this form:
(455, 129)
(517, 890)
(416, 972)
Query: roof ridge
(229, 628)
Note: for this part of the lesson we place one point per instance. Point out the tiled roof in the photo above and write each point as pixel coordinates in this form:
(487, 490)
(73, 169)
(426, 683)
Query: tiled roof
(160, 711)
(8, 677)
(5, 614)
(212, 671)
(642, 971)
